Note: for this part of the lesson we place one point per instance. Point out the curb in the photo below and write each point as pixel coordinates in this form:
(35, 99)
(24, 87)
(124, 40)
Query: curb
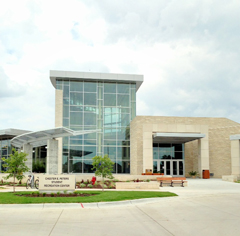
(80, 205)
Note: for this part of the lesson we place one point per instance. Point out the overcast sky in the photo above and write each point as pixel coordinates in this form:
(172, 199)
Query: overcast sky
(188, 52)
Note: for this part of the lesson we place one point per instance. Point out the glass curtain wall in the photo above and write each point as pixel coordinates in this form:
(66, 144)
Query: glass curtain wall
(39, 159)
(5, 151)
(168, 151)
(108, 107)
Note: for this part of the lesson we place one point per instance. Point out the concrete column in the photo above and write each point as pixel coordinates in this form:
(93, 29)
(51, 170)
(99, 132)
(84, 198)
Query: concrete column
(60, 155)
(52, 156)
(203, 155)
(28, 148)
(235, 157)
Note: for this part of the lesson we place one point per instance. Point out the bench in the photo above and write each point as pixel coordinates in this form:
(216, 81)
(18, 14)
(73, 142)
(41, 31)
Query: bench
(151, 174)
(172, 180)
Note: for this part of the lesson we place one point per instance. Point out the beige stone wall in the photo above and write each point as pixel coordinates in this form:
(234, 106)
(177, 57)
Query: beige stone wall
(218, 131)
(235, 157)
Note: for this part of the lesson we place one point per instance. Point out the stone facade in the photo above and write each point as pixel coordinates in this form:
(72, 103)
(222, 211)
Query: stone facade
(215, 148)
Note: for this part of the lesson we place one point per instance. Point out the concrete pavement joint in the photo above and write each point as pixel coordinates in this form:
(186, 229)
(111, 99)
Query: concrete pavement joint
(55, 223)
(153, 220)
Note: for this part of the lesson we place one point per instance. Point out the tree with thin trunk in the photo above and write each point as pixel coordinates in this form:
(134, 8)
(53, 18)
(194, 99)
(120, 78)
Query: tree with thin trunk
(103, 167)
(16, 166)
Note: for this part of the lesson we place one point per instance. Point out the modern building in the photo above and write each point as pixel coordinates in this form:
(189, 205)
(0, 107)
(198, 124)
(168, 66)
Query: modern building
(95, 101)
(95, 114)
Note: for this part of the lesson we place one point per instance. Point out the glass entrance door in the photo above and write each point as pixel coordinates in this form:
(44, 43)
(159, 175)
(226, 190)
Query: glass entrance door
(169, 167)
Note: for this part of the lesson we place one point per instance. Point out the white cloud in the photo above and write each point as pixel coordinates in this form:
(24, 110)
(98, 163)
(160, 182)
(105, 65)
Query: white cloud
(188, 53)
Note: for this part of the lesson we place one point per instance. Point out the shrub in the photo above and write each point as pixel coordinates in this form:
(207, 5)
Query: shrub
(128, 181)
(90, 185)
(193, 173)
(82, 185)
(52, 194)
(58, 193)
(44, 194)
(38, 166)
(65, 191)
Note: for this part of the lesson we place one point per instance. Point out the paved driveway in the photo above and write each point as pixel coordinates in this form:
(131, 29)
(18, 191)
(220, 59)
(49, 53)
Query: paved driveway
(205, 207)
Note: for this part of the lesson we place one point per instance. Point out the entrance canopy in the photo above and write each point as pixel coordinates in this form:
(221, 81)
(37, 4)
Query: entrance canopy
(39, 138)
(235, 137)
(176, 137)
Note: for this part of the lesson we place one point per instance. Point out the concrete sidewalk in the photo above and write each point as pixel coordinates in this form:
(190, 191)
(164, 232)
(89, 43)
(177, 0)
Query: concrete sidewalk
(199, 187)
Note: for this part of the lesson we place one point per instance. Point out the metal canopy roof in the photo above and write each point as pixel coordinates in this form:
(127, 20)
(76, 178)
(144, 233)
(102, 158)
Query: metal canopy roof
(176, 137)
(92, 76)
(39, 138)
(10, 133)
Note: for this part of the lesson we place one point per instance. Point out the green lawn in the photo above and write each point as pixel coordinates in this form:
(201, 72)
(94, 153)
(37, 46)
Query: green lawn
(106, 196)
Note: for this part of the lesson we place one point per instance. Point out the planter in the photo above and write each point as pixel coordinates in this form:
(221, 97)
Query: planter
(138, 185)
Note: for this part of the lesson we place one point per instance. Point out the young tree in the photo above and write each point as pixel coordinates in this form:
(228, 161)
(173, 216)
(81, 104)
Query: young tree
(16, 166)
(103, 167)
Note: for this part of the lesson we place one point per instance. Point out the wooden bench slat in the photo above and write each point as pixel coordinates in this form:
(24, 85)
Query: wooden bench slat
(172, 180)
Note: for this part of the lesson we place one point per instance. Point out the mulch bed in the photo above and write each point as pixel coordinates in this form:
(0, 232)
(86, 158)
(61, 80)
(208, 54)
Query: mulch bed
(57, 195)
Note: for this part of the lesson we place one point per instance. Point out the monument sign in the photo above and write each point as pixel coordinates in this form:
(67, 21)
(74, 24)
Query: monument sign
(57, 183)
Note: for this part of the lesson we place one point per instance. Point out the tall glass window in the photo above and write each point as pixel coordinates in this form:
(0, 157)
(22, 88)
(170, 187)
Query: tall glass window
(5, 151)
(103, 106)
(168, 151)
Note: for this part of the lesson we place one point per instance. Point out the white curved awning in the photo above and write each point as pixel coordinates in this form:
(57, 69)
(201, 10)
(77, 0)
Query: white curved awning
(39, 138)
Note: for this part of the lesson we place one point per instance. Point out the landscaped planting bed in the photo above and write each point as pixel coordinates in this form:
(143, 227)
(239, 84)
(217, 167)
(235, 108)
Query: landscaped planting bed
(108, 184)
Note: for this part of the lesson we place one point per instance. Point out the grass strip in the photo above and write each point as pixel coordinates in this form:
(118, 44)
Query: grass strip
(106, 196)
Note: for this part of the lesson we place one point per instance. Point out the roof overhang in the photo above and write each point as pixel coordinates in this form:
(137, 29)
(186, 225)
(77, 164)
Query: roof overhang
(10, 133)
(39, 138)
(176, 137)
(235, 137)
(110, 77)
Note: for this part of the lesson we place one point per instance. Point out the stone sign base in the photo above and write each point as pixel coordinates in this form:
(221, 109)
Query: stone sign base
(57, 183)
